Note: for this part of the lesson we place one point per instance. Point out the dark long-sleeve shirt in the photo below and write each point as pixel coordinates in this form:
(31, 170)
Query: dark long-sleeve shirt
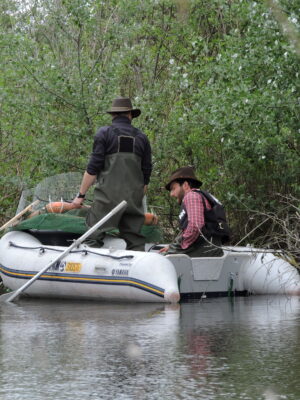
(105, 142)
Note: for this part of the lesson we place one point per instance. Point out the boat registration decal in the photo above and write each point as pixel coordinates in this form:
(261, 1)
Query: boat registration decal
(73, 267)
(59, 266)
(120, 272)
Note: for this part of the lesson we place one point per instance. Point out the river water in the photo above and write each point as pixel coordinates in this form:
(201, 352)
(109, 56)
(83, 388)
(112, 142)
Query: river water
(225, 348)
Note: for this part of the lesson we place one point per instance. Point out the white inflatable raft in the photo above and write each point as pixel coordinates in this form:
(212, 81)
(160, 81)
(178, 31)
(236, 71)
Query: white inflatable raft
(240, 271)
(113, 273)
(87, 273)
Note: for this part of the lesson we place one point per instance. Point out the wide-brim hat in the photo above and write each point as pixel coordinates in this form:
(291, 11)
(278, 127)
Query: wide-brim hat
(187, 173)
(123, 104)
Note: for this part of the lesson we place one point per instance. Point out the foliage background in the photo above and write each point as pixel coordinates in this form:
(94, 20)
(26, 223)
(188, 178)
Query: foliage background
(217, 81)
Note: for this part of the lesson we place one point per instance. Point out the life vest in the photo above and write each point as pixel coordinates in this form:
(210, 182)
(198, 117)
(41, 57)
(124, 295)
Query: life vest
(215, 218)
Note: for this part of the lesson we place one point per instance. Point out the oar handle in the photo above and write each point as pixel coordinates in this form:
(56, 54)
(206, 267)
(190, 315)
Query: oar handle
(16, 217)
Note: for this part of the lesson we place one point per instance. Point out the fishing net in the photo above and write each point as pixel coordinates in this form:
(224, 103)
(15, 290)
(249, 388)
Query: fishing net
(64, 187)
(53, 222)
(61, 187)
(74, 224)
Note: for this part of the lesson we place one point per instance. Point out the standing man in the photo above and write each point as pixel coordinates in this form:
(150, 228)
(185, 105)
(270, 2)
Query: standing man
(200, 234)
(121, 166)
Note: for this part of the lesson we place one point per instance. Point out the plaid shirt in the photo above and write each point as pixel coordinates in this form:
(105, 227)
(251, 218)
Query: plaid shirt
(195, 213)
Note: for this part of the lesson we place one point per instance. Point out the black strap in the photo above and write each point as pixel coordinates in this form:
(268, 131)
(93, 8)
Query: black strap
(203, 200)
(117, 131)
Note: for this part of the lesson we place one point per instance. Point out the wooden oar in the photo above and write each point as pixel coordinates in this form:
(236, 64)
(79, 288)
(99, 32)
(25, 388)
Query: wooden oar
(8, 297)
(16, 217)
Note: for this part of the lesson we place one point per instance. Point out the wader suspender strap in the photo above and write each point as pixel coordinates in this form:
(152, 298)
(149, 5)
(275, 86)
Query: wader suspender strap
(203, 201)
(126, 143)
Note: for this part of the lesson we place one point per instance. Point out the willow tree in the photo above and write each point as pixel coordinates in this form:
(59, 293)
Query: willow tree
(217, 81)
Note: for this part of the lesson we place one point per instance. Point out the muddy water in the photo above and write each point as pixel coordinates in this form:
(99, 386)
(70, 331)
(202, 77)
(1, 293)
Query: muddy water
(242, 348)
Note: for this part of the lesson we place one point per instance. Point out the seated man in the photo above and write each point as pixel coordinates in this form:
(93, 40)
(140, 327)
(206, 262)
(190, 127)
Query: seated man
(201, 231)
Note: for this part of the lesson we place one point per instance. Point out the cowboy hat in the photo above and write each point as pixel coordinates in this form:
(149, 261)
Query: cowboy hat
(183, 173)
(123, 105)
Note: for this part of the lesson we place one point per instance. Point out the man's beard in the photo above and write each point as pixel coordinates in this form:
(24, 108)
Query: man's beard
(180, 196)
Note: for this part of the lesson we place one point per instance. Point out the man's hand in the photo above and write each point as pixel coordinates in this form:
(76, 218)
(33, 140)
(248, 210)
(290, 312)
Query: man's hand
(77, 202)
(87, 181)
(164, 249)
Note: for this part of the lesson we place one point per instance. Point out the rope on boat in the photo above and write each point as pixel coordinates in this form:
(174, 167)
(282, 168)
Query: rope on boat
(42, 249)
(278, 253)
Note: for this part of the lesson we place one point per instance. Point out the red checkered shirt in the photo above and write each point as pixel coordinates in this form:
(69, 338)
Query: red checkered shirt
(195, 214)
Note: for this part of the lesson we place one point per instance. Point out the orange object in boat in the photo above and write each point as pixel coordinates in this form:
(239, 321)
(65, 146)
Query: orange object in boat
(150, 219)
(60, 207)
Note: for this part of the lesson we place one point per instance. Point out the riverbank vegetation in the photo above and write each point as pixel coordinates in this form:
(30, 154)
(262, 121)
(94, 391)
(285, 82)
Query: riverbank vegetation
(217, 81)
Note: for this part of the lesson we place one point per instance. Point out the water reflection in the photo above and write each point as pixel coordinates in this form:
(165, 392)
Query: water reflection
(244, 348)
(247, 348)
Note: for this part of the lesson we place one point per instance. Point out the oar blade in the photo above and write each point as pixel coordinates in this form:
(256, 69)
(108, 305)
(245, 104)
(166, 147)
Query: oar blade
(6, 297)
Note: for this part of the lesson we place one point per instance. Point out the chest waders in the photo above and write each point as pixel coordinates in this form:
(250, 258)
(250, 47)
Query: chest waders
(121, 179)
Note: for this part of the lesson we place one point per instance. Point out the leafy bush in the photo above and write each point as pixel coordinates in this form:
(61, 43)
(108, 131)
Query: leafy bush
(217, 81)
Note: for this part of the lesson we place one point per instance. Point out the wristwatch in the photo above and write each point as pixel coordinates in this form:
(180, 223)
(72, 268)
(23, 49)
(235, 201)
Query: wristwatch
(80, 195)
